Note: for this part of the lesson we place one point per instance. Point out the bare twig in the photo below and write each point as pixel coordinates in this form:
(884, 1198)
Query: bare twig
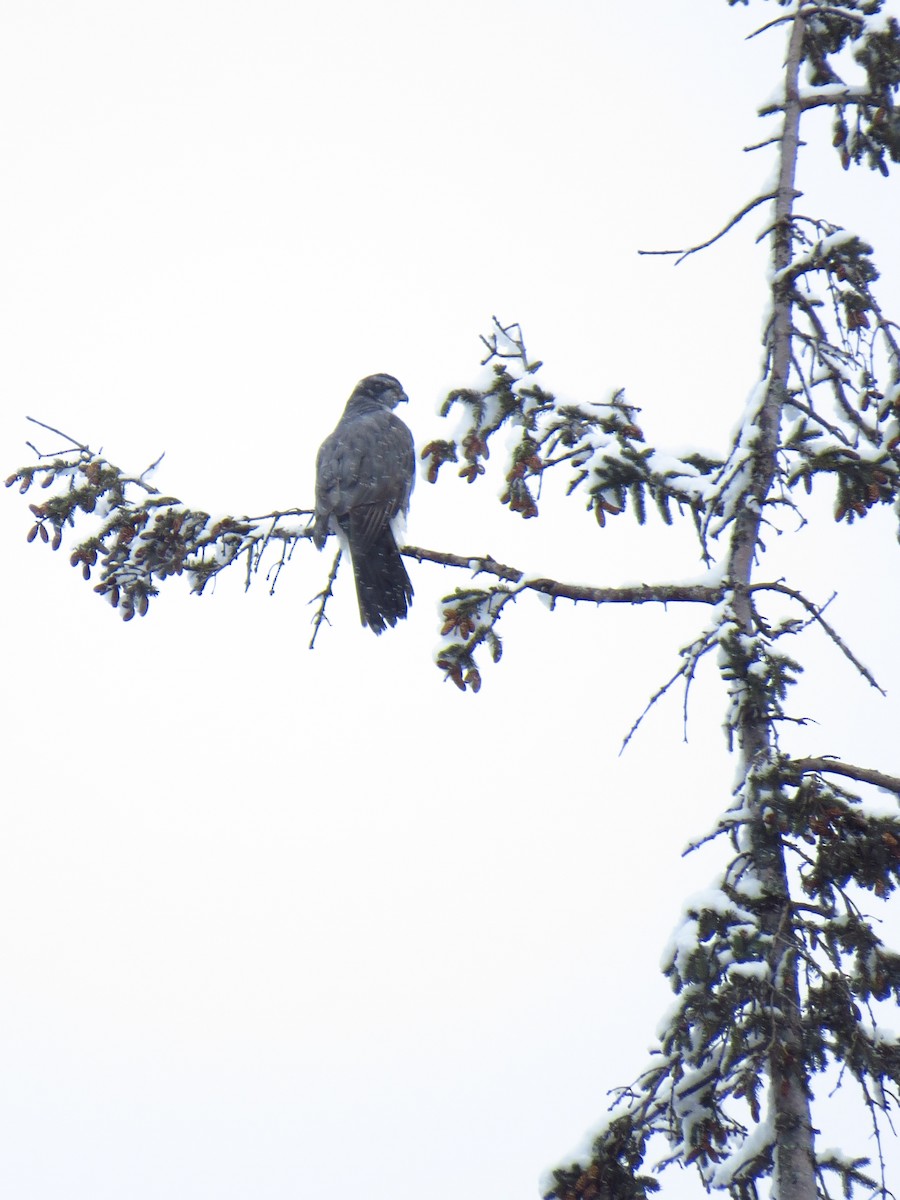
(691, 655)
(816, 613)
(657, 695)
(768, 25)
(288, 545)
(724, 826)
(512, 333)
(152, 467)
(323, 597)
(43, 425)
(683, 254)
(762, 145)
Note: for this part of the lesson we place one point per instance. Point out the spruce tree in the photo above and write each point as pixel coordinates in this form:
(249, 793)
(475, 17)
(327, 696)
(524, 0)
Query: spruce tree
(779, 972)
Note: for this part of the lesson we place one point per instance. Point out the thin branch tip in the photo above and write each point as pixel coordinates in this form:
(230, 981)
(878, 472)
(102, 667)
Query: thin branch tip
(735, 220)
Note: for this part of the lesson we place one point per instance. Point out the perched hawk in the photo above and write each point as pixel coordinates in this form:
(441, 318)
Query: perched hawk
(364, 475)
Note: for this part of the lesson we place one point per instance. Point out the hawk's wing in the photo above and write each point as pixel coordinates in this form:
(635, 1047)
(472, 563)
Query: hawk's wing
(364, 475)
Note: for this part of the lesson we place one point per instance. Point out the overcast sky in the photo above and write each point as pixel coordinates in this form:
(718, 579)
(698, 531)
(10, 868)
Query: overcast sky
(280, 923)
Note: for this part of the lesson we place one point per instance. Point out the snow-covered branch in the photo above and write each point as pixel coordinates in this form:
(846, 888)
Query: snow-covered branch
(141, 537)
(599, 447)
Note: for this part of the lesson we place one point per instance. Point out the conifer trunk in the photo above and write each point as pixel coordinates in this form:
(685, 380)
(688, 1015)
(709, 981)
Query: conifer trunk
(794, 1167)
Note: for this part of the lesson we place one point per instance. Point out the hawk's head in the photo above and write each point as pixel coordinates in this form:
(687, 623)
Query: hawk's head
(384, 390)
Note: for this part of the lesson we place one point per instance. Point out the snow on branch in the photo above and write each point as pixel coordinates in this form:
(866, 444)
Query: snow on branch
(778, 973)
(844, 346)
(142, 537)
(866, 119)
(841, 395)
(598, 447)
(702, 1091)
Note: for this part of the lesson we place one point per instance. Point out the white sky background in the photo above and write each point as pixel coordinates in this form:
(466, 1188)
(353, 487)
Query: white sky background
(278, 923)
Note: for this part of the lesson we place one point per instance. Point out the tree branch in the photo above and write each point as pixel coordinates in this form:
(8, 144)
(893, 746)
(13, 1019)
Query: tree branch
(323, 597)
(816, 614)
(691, 655)
(640, 593)
(51, 429)
(810, 766)
(748, 208)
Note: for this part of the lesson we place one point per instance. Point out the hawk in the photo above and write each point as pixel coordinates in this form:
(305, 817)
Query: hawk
(364, 475)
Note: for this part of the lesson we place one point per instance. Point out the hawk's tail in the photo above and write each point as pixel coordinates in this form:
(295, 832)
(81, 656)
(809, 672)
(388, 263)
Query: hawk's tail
(382, 584)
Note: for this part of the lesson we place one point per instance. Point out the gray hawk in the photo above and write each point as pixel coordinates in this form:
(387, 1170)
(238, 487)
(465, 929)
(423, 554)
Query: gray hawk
(364, 475)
